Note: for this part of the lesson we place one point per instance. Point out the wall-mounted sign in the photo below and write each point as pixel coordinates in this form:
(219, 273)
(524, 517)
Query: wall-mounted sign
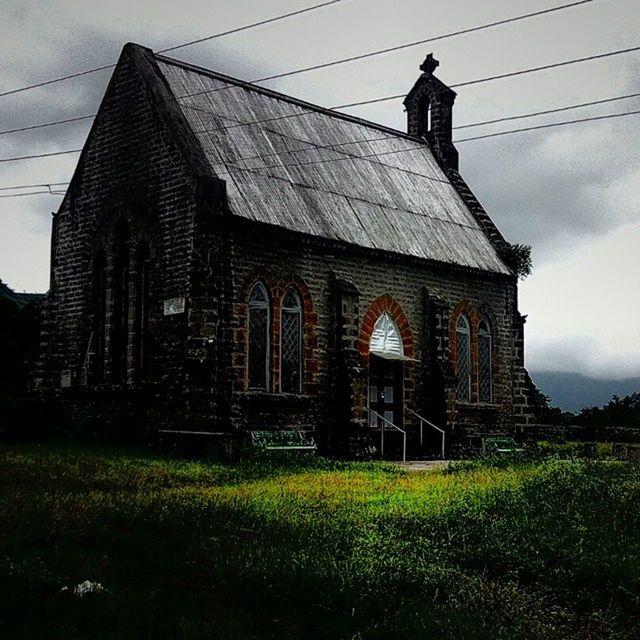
(174, 306)
(65, 378)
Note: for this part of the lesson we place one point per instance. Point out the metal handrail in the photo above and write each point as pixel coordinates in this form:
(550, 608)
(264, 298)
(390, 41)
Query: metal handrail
(397, 428)
(423, 421)
(85, 362)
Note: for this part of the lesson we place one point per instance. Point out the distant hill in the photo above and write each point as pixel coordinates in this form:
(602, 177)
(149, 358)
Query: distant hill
(573, 391)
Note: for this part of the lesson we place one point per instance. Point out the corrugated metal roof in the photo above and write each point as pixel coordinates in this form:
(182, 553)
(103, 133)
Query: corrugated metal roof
(309, 170)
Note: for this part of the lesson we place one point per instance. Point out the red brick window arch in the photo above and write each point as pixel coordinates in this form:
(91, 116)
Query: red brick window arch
(385, 304)
(291, 342)
(258, 339)
(463, 358)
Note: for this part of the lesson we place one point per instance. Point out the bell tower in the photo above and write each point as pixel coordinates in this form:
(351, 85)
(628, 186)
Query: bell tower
(429, 107)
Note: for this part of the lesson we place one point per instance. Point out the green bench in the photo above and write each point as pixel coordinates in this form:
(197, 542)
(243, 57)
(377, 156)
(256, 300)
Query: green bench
(500, 445)
(286, 440)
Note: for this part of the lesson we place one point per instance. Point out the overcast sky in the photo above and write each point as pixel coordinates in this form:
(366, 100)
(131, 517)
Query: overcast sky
(571, 192)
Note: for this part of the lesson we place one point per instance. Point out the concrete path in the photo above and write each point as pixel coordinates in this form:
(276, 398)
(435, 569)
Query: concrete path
(422, 465)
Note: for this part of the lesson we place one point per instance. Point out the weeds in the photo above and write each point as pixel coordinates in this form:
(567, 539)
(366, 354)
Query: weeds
(311, 548)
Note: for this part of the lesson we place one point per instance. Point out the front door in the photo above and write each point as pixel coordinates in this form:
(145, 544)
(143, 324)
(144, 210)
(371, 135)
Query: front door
(385, 390)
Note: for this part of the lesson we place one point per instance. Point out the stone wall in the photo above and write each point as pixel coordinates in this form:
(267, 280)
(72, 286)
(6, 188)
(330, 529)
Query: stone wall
(140, 171)
(131, 173)
(343, 286)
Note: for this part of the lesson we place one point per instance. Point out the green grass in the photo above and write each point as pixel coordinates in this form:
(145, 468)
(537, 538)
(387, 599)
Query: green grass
(315, 549)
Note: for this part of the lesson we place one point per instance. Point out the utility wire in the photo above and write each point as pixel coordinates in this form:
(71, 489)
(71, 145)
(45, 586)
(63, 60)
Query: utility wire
(463, 126)
(40, 155)
(363, 140)
(180, 46)
(549, 125)
(326, 64)
(232, 167)
(489, 135)
(33, 193)
(502, 75)
(379, 52)
(474, 124)
(48, 124)
(67, 77)
(420, 147)
(547, 111)
(250, 26)
(32, 186)
(407, 45)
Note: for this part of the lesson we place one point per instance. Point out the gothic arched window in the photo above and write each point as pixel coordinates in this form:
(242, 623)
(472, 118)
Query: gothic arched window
(291, 343)
(141, 330)
(484, 362)
(99, 303)
(120, 310)
(424, 115)
(463, 358)
(258, 338)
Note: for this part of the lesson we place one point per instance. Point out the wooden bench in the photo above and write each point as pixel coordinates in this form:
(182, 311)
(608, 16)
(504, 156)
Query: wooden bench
(499, 445)
(289, 440)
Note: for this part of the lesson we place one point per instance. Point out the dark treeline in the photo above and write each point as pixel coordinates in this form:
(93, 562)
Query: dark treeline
(618, 412)
(19, 343)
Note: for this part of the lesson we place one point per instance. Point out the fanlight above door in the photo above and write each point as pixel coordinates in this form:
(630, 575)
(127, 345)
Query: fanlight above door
(386, 341)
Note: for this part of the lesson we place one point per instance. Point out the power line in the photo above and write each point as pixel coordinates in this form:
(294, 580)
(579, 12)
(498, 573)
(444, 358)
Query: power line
(339, 193)
(501, 76)
(475, 124)
(547, 111)
(67, 77)
(343, 60)
(32, 186)
(350, 157)
(48, 124)
(41, 155)
(549, 125)
(416, 148)
(250, 26)
(32, 193)
(464, 126)
(363, 140)
(186, 44)
(332, 63)
(408, 45)
(489, 135)
(321, 146)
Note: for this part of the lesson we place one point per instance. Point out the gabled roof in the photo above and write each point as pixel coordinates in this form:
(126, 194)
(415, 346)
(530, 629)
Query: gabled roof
(312, 170)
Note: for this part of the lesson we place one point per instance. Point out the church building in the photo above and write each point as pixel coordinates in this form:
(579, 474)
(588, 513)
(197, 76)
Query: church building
(228, 258)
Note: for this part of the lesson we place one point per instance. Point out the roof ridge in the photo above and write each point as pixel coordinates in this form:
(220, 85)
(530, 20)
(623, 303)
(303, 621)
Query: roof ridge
(287, 98)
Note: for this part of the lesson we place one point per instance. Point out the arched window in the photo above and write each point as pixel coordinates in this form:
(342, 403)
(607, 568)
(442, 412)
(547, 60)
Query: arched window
(99, 312)
(141, 330)
(120, 310)
(291, 343)
(258, 352)
(463, 358)
(424, 115)
(484, 362)
(385, 339)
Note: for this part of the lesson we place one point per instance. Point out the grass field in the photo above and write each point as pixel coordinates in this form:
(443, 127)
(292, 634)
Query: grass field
(316, 549)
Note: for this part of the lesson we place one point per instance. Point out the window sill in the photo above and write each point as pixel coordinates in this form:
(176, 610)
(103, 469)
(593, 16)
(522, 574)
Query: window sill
(486, 406)
(270, 398)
